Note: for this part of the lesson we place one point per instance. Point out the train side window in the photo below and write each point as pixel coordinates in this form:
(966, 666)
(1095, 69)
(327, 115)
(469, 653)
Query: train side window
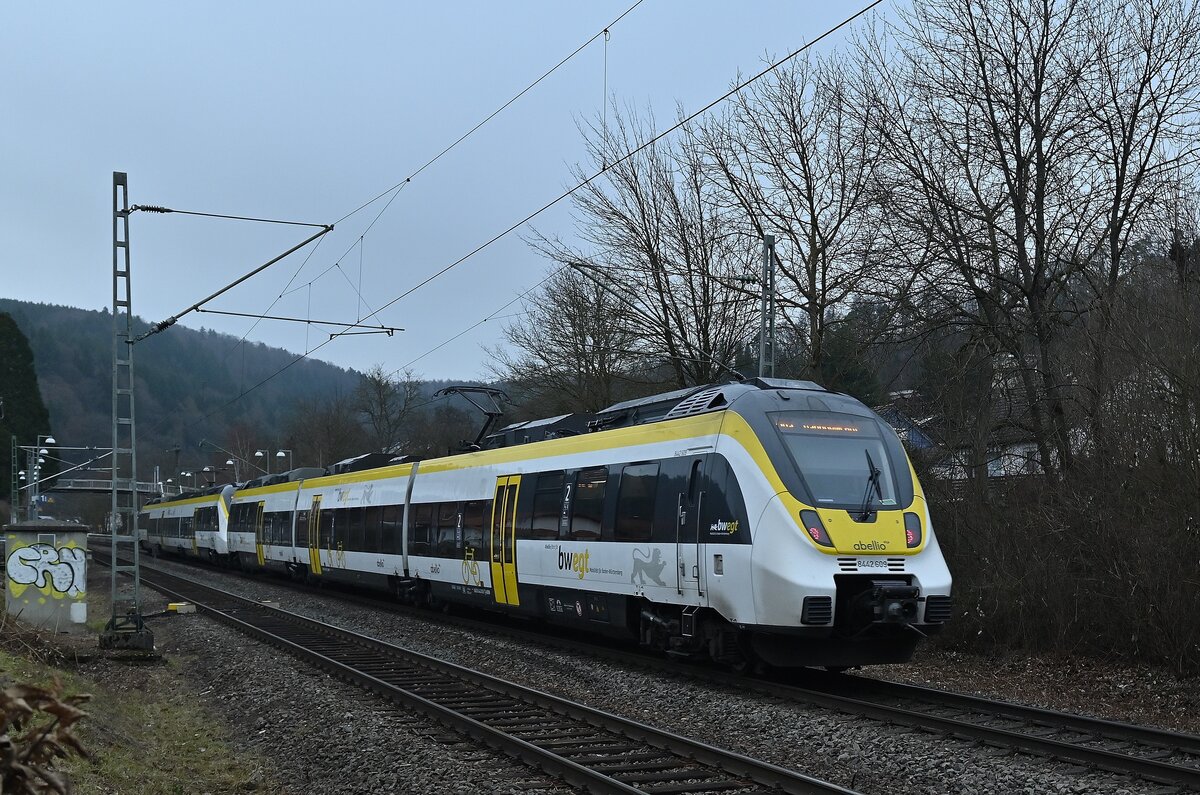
(447, 529)
(355, 529)
(301, 528)
(420, 527)
(547, 505)
(444, 543)
(635, 502)
(473, 519)
(393, 529)
(449, 534)
(329, 524)
(372, 528)
(588, 506)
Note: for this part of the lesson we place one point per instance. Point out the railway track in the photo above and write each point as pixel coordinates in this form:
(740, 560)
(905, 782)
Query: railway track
(1160, 756)
(1152, 754)
(590, 749)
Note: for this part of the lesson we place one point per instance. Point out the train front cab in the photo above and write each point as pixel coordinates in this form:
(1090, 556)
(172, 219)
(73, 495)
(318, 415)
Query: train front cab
(847, 568)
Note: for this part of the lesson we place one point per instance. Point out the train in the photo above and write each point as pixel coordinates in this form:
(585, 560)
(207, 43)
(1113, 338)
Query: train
(766, 522)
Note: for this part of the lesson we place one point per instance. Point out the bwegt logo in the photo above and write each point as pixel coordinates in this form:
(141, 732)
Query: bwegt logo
(573, 561)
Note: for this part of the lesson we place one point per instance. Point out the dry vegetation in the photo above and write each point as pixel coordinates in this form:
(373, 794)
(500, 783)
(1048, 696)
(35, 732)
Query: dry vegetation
(146, 729)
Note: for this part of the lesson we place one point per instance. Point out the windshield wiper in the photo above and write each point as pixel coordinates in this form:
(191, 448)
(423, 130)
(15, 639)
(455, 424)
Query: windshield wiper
(873, 473)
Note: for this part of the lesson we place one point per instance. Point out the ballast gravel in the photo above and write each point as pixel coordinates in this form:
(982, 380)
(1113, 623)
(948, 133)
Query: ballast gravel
(328, 737)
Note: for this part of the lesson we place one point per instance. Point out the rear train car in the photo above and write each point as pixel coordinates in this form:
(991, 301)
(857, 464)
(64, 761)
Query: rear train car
(194, 523)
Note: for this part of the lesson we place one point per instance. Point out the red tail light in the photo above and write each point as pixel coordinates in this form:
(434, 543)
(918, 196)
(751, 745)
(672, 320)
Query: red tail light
(814, 528)
(912, 530)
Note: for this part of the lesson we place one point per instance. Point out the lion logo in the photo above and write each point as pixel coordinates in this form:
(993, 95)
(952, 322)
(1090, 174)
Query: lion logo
(647, 565)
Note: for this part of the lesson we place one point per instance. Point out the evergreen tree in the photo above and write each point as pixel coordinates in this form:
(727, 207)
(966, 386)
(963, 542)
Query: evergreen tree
(24, 413)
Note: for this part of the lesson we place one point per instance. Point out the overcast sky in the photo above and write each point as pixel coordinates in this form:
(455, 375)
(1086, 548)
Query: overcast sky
(304, 111)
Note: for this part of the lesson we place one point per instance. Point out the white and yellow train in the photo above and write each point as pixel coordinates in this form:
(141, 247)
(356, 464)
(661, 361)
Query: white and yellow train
(770, 520)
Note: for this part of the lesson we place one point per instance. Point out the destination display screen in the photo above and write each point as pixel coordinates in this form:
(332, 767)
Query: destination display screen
(794, 423)
(841, 457)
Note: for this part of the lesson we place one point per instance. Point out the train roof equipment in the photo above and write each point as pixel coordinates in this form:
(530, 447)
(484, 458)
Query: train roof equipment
(539, 430)
(686, 402)
(488, 405)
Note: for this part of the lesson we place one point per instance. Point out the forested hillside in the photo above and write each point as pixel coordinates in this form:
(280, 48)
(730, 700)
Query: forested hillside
(184, 377)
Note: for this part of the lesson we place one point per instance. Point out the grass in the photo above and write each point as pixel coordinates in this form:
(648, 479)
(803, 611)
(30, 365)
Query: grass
(147, 732)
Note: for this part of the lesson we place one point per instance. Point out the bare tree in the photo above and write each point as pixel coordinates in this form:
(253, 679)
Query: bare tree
(574, 349)
(386, 403)
(1142, 98)
(796, 158)
(658, 243)
(325, 431)
(986, 133)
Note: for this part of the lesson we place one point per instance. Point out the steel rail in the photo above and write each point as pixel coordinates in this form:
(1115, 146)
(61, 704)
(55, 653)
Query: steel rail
(1114, 761)
(336, 650)
(1066, 721)
(829, 692)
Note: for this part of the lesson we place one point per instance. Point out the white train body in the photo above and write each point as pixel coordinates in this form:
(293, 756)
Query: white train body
(194, 524)
(774, 521)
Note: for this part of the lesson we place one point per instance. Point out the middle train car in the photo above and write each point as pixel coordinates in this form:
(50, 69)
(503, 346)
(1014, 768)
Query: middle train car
(773, 520)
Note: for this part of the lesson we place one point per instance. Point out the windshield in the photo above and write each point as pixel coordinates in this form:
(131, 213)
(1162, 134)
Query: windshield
(835, 454)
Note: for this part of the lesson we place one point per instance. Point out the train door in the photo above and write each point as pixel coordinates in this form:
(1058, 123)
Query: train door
(689, 552)
(314, 536)
(258, 533)
(504, 541)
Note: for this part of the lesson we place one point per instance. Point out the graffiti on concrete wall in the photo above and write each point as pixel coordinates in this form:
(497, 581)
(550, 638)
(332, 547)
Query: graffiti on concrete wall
(54, 571)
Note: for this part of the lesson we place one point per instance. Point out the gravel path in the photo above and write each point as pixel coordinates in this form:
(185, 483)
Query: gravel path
(329, 738)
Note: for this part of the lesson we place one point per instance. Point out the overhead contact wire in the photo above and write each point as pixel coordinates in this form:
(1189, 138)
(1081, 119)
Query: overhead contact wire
(399, 186)
(565, 194)
(720, 99)
(494, 113)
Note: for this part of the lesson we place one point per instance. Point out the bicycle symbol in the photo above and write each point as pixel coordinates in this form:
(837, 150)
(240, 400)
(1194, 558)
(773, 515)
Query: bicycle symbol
(470, 569)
